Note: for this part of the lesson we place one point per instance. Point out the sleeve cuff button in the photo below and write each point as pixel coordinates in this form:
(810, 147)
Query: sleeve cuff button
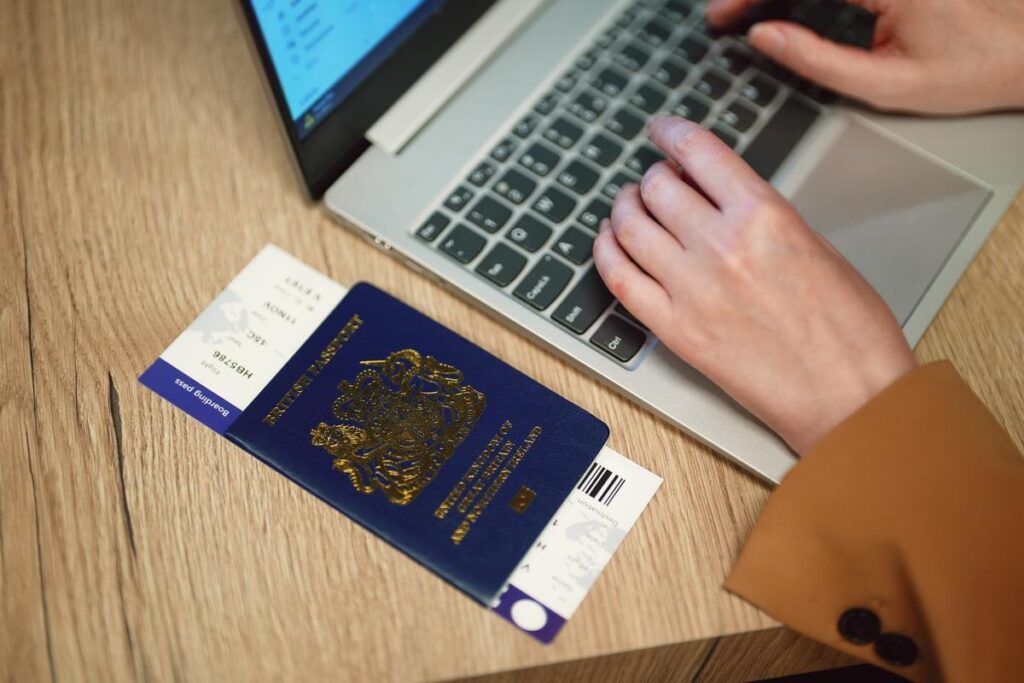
(859, 626)
(896, 649)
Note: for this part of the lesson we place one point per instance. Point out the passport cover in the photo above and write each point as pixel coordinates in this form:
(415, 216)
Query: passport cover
(414, 432)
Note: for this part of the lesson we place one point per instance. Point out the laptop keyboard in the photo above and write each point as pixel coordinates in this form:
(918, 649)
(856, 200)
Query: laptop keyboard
(525, 217)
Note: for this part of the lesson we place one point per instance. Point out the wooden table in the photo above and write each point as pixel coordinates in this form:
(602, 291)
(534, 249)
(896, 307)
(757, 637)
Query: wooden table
(139, 170)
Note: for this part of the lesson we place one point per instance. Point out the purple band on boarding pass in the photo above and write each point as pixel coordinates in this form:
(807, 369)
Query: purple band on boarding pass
(528, 614)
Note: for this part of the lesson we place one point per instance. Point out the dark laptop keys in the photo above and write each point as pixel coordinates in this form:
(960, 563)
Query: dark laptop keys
(563, 133)
(675, 10)
(612, 187)
(458, 199)
(738, 117)
(602, 150)
(529, 233)
(505, 149)
(588, 106)
(544, 282)
(779, 136)
(482, 173)
(733, 60)
(587, 60)
(648, 98)
(624, 124)
(610, 81)
(433, 226)
(554, 205)
(654, 33)
(547, 104)
(693, 108)
(490, 214)
(567, 82)
(692, 48)
(584, 303)
(540, 159)
(632, 57)
(642, 158)
(670, 73)
(501, 265)
(515, 187)
(463, 244)
(595, 212)
(526, 125)
(578, 177)
(712, 85)
(760, 90)
(618, 338)
(574, 245)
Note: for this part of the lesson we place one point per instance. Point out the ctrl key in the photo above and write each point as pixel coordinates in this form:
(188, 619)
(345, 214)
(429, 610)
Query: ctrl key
(618, 338)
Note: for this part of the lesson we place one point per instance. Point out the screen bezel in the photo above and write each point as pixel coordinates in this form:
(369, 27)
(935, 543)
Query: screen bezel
(339, 139)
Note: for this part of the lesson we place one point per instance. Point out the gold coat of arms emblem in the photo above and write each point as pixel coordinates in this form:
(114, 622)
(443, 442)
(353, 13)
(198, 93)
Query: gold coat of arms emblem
(399, 421)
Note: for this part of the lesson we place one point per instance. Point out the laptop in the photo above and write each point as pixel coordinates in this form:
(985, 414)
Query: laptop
(482, 141)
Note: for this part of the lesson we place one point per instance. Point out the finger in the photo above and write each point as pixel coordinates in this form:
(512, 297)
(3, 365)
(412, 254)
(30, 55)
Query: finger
(648, 244)
(726, 12)
(636, 290)
(677, 206)
(849, 70)
(717, 170)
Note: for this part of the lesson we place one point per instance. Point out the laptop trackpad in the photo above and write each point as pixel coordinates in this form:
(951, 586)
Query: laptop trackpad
(895, 214)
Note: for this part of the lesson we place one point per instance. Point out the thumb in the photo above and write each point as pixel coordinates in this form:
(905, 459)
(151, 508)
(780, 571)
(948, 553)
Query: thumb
(849, 70)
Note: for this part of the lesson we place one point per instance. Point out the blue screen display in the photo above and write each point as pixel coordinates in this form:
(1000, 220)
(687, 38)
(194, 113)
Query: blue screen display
(323, 49)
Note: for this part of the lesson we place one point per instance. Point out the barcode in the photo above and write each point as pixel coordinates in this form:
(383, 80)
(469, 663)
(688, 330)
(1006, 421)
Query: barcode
(601, 484)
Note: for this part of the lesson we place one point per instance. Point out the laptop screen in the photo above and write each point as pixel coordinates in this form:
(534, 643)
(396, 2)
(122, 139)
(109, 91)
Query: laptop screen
(322, 50)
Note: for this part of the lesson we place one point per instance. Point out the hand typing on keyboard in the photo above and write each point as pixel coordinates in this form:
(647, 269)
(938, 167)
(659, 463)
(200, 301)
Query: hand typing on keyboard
(722, 269)
(937, 56)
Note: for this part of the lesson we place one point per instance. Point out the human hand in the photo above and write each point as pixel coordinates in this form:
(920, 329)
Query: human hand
(722, 269)
(934, 56)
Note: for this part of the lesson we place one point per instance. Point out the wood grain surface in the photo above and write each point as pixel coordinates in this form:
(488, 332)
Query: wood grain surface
(140, 169)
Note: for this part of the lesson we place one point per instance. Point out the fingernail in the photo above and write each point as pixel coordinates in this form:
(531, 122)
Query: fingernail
(766, 38)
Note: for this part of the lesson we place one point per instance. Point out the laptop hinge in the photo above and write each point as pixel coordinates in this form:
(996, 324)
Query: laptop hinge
(418, 105)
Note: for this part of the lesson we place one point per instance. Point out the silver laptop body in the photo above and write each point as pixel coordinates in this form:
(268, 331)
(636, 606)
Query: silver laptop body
(909, 201)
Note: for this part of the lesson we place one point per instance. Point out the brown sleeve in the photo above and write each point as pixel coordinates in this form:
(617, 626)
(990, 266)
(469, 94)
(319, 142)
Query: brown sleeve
(912, 509)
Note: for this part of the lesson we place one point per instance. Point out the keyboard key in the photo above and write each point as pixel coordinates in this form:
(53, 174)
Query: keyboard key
(602, 150)
(489, 214)
(567, 82)
(547, 104)
(574, 245)
(458, 199)
(738, 117)
(554, 205)
(544, 282)
(648, 98)
(693, 108)
(526, 125)
(595, 212)
(692, 48)
(760, 90)
(642, 158)
(482, 173)
(529, 233)
(563, 133)
(654, 33)
(725, 135)
(712, 85)
(632, 57)
(610, 81)
(615, 184)
(433, 226)
(578, 177)
(675, 11)
(733, 59)
(515, 187)
(617, 337)
(505, 149)
(588, 106)
(608, 38)
(670, 74)
(540, 159)
(501, 265)
(779, 136)
(463, 244)
(584, 303)
(585, 61)
(626, 18)
(624, 124)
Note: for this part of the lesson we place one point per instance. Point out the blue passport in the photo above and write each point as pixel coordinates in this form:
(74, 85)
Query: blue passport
(422, 437)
